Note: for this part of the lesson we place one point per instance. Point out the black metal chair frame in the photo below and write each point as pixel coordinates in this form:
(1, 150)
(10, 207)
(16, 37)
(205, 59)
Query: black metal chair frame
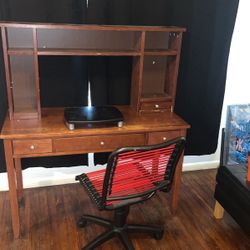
(118, 227)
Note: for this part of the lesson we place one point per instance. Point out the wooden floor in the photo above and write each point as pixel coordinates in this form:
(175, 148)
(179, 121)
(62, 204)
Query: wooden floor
(50, 214)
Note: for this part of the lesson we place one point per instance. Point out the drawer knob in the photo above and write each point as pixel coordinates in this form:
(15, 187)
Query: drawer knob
(102, 142)
(32, 147)
(157, 106)
(164, 138)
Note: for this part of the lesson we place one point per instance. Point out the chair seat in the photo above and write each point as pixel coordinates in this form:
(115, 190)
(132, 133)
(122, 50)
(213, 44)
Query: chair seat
(127, 183)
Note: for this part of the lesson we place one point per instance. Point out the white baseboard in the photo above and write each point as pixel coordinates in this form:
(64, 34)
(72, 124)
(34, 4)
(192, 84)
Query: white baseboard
(200, 165)
(40, 177)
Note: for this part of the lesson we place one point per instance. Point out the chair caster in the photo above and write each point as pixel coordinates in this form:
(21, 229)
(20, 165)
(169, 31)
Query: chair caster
(159, 235)
(81, 223)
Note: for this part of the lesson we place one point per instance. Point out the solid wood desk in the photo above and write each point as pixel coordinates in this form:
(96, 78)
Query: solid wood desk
(50, 137)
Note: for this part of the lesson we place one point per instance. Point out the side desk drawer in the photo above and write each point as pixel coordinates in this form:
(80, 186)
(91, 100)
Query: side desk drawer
(97, 143)
(21, 147)
(159, 137)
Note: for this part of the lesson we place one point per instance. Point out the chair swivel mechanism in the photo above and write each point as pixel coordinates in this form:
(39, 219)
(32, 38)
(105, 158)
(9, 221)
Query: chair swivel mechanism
(132, 175)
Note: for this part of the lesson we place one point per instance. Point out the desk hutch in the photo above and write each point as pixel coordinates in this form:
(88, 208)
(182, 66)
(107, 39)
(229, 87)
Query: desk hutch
(30, 130)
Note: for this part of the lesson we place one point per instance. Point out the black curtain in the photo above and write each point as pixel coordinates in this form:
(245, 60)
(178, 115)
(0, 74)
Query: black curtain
(202, 72)
(202, 75)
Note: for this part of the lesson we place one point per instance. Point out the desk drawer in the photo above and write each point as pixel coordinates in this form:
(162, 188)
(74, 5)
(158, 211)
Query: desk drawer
(21, 147)
(97, 143)
(159, 137)
(155, 106)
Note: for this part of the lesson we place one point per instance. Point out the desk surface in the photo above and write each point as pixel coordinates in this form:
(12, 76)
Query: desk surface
(52, 125)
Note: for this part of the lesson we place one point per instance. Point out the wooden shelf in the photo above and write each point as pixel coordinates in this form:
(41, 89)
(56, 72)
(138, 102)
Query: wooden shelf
(155, 97)
(72, 52)
(86, 52)
(160, 52)
(89, 52)
(26, 114)
(21, 51)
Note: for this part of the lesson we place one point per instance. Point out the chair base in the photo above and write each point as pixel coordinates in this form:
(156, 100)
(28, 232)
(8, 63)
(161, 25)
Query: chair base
(118, 229)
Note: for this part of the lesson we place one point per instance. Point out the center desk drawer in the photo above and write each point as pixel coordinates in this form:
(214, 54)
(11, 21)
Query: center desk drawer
(97, 143)
(21, 147)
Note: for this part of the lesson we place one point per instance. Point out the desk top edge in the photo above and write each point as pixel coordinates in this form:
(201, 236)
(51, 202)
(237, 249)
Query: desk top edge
(52, 125)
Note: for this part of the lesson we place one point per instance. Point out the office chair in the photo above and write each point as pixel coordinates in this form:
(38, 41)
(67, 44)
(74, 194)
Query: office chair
(132, 175)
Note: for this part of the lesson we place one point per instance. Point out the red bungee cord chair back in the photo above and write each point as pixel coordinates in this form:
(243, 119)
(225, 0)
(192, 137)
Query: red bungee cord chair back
(132, 175)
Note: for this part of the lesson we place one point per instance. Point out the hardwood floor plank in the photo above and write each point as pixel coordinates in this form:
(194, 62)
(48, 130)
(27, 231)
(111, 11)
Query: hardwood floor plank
(49, 218)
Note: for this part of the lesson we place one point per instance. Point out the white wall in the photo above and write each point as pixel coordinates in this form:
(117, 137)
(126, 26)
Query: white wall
(237, 92)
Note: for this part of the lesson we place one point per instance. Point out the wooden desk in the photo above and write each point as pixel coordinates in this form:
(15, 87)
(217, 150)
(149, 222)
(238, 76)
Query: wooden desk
(49, 137)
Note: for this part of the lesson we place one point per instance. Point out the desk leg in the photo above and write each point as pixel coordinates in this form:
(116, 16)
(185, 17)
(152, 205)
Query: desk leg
(12, 188)
(19, 178)
(176, 186)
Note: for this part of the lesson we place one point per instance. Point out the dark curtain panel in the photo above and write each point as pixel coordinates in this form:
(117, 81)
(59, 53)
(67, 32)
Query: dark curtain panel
(202, 73)
(203, 67)
(62, 78)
